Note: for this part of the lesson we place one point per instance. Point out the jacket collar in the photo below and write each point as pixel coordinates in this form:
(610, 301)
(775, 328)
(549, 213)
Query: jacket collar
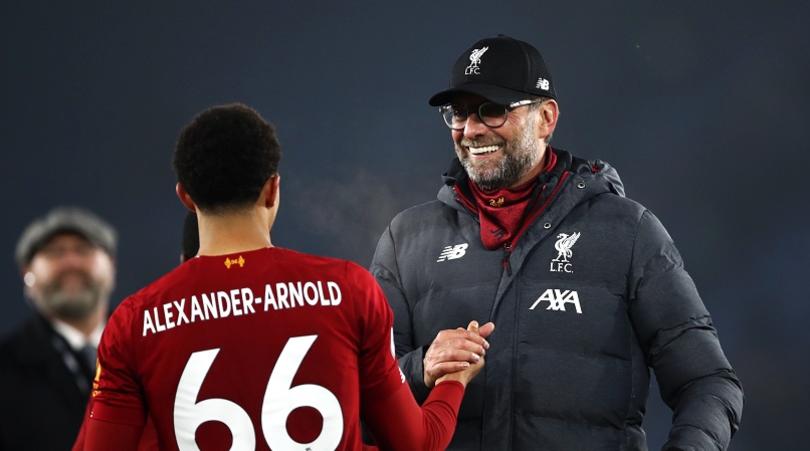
(582, 180)
(600, 175)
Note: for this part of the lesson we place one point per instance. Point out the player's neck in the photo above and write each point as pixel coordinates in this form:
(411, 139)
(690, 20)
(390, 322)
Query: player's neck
(231, 233)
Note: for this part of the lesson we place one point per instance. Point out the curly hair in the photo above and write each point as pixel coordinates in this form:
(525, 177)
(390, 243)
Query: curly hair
(224, 157)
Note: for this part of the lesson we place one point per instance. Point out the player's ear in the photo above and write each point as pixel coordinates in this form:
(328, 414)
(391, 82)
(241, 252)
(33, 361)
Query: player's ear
(185, 199)
(271, 191)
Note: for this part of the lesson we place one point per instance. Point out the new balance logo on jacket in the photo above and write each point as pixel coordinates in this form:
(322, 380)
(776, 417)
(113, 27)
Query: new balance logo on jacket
(452, 252)
(557, 299)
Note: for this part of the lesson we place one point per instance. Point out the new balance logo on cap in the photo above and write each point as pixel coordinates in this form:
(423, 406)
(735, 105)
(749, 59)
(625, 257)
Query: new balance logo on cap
(452, 252)
(557, 299)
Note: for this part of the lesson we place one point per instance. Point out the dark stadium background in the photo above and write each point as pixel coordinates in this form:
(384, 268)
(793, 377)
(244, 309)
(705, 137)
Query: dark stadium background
(702, 106)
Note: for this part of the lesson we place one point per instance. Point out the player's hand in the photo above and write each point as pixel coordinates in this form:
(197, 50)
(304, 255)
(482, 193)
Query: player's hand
(456, 350)
(466, 375)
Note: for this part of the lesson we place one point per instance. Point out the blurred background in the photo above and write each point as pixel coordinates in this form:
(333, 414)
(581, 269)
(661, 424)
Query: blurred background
(701, 106)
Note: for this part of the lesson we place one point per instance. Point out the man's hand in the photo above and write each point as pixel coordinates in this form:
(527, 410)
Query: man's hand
(456, 350)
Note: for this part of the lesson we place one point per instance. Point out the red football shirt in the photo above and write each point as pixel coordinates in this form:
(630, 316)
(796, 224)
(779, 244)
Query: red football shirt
(265, 349)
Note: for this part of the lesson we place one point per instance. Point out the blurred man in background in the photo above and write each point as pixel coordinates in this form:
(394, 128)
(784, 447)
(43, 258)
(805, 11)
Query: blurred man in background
(66, 260)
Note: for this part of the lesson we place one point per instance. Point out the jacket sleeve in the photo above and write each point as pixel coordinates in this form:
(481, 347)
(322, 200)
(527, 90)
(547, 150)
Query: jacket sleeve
(681, 345)
(385, 269)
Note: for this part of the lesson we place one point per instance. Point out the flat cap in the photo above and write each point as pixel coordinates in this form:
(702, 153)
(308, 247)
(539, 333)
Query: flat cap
(60, 220)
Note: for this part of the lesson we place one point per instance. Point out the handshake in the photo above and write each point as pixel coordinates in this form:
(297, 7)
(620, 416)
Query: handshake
(457, 354)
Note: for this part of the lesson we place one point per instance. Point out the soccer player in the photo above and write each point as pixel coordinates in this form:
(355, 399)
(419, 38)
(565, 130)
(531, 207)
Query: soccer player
(251, 346)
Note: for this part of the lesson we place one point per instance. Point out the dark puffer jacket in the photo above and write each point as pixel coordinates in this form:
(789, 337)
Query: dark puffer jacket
(591, 297)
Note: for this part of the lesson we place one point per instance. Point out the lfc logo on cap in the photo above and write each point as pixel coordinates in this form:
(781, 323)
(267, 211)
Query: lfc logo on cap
(475, 60)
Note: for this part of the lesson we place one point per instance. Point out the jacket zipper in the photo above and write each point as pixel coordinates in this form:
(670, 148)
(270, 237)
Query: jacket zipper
(507, 252)
(507, 247)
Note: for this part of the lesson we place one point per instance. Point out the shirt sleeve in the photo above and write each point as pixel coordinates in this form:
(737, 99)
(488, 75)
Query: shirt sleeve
(385, 268)
(681, 344)
(383, 387)
(116, 413)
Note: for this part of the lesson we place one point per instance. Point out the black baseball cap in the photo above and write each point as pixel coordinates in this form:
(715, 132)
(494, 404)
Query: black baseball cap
(65, 220)
(500, 69)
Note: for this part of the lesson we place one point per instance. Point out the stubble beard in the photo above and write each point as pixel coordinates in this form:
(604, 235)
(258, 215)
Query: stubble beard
(73, 304)
(519, 156)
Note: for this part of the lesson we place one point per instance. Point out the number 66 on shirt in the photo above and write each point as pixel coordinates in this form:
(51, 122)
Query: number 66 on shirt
(280, 399)
(260, 373)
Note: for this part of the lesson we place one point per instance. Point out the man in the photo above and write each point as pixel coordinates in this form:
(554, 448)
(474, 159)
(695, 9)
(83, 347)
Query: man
(66, 260)
(586, 287)
(251, 346)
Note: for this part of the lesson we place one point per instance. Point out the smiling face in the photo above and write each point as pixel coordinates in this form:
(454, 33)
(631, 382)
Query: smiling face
(502, 157)
(69, 278)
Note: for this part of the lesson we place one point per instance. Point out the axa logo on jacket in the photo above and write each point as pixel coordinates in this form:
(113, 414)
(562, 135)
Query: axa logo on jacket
(452, 252)
(557, 299)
